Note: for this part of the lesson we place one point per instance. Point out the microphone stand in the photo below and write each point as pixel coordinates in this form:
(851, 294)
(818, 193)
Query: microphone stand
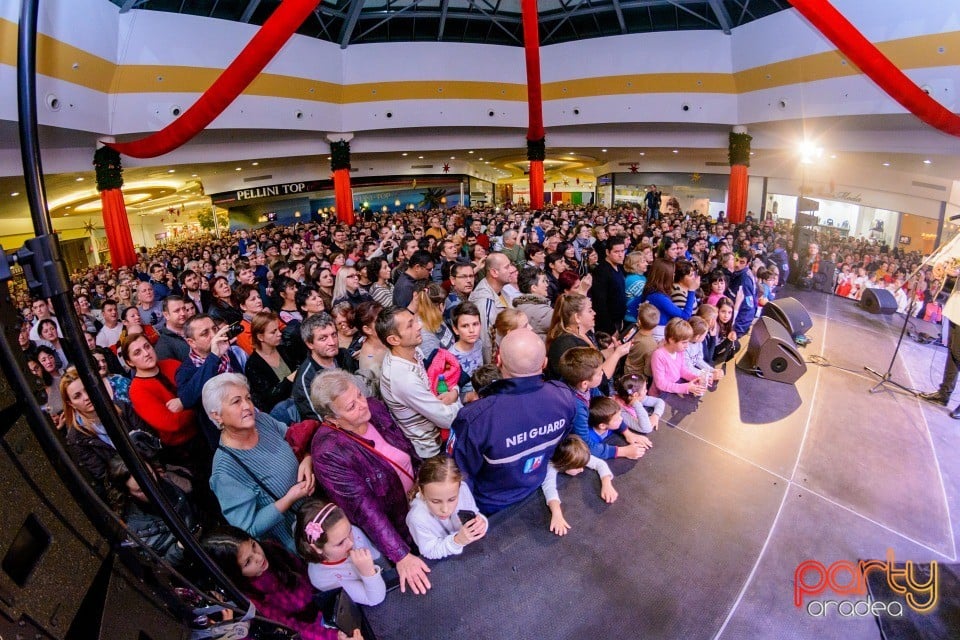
(886, 378)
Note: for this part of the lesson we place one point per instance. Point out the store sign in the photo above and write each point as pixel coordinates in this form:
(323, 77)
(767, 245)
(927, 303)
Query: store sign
(272, 191)
(904, 239)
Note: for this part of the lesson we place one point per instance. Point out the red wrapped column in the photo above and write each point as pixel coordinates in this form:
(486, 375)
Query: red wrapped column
(737, 200)
(115, 222)
(536, 184)
(343, 194)
(739, 176)
(536, 139)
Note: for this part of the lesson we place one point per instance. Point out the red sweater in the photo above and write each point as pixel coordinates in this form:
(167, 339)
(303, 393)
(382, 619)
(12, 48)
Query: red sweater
(149, 397)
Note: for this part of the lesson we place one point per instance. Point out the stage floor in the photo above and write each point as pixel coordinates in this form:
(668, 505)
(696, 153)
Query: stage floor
(711, 524)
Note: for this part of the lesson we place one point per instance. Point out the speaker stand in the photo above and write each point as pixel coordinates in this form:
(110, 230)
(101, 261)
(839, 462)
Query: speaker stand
(886, 378)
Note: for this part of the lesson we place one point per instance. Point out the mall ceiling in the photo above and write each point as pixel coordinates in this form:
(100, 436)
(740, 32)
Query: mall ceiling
(349, 22)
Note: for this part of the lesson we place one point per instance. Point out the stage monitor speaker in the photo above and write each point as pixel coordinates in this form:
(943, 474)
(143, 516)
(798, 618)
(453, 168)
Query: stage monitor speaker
(878, 301)
(771, 353)
(789, 313)
(54, 564)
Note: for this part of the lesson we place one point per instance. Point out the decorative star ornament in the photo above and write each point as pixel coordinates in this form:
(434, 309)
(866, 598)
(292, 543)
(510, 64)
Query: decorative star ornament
(695, 178)
(88, 226)
(446, 168)
(634, 168)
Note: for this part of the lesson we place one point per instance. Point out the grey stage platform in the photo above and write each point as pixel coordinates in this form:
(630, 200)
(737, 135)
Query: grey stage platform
(712, 522)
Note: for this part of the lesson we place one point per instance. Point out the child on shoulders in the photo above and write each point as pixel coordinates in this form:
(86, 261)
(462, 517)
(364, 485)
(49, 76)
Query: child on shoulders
(571, 457)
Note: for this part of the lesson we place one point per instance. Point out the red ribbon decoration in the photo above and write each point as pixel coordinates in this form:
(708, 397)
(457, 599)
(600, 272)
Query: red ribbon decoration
(876, 66)
(117, 227)
(343, 196)
(264, 45)
(531, 48)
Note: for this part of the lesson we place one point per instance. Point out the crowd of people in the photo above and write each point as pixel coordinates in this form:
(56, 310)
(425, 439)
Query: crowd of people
(328, 406)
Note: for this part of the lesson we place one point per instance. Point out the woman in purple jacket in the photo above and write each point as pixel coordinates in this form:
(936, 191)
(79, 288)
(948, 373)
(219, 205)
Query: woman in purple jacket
(367, 467)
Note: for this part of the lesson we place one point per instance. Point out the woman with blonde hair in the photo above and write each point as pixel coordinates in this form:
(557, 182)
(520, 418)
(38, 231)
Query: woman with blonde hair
(87, 440)
(346, 287)
(436, 334)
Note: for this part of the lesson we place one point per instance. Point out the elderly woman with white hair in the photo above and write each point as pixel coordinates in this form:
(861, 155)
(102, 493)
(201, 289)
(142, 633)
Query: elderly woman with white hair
(368, 469)
(255, 476)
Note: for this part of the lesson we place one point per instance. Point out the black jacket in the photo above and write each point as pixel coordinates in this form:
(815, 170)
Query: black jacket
(265, 387)
(609, 296)
(305, 375)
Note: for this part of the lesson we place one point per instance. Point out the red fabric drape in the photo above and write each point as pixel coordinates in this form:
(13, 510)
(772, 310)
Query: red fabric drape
(264, 45)
(536, 184)
(737, 200)
(344, 196)
(875, 65)
(117, 226)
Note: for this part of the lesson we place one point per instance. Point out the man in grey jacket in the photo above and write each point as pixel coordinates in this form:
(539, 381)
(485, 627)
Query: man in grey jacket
(488, 297)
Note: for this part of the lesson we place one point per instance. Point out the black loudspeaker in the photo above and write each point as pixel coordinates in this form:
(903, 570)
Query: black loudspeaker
(772, 354)
(878, 301)
(58, 577)
(789, 313)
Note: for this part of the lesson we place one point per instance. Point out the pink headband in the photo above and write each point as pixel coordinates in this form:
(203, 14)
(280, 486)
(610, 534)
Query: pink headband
(314, 528)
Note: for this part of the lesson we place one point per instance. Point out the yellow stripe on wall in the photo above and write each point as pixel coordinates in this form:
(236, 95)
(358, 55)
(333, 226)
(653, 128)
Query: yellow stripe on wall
(56, 59)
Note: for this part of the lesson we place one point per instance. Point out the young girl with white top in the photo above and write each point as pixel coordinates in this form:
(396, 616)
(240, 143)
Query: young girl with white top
(434, 517)
(339, 554)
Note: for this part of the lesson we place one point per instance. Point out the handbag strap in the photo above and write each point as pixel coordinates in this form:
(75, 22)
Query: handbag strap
(249, 472)
(367, 446)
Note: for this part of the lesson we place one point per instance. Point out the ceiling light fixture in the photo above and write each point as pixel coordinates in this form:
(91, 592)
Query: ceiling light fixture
(14, 194)
(927, 162)
(643, 153)
(239, 169)
(256, 164)
(404, 154)
(603, 150)
(80, 179)
(171, 170)
(419, 157)
(676, 151)
(886, 164)
(453, 157)
(193, 175)
(471, 151)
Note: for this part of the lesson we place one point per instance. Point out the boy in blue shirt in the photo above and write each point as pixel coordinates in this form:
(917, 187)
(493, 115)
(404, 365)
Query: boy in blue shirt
(605, 417)
(580, 368)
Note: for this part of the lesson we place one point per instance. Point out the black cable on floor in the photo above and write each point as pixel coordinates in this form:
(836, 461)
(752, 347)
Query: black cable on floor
(820, 361)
